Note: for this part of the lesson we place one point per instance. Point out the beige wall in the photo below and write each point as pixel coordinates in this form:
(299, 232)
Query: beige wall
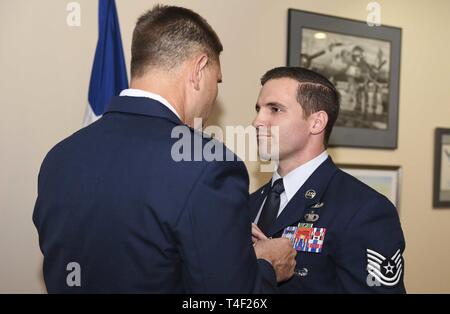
(45, 67)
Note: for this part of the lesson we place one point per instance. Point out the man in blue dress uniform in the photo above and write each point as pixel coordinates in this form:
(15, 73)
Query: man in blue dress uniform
(123, 207)
(347, 235)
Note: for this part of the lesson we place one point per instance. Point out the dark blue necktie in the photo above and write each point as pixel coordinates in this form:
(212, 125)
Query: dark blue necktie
(271, 206)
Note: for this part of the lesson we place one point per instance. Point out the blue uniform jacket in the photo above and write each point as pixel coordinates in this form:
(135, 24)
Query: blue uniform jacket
(112, 199)
(361, 251)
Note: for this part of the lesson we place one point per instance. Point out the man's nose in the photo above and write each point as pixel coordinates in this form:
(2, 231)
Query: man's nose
(258, 121)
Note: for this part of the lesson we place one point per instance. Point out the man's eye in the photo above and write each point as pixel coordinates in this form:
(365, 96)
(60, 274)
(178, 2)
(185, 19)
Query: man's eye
(275, 109)
(257, 109)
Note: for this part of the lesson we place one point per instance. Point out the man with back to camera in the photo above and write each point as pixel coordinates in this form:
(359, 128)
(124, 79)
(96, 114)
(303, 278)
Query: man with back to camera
(115, 205)
(347, 235)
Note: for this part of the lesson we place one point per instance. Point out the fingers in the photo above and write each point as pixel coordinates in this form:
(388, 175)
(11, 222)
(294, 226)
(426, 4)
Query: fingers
(257, 233)
(294, 253)
(279, 252)
(289, 268)
(286, 244)
(255, 226)
(290, 259)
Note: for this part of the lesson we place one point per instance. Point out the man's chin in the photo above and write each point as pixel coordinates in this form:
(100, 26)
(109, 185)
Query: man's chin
(264, 157)
(267, 157)
(265, 152)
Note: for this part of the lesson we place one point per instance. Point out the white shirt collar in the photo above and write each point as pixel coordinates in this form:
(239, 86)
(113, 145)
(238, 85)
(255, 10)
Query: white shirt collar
(294, 180)
(132, 92)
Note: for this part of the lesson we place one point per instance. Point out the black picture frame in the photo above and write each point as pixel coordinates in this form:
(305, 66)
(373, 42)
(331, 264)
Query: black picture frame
(385, 179)
(369, 102)
(441, 181)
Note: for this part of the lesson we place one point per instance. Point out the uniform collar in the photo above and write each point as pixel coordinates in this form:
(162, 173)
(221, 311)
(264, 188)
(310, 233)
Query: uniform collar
(142, 106)
(310, 194)
(295, 179)
(134, 92)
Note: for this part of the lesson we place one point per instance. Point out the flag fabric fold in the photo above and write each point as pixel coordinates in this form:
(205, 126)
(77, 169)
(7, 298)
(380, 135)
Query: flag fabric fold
(109, 73)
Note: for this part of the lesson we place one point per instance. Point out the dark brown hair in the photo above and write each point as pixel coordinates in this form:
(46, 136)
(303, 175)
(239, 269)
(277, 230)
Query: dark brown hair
(315, 93)
(165, 36)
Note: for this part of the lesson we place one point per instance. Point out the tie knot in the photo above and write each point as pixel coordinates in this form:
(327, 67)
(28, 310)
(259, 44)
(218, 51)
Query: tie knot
(278, 186)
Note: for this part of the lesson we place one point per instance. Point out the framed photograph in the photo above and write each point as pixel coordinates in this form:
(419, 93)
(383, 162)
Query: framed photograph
(364, 64)
(441, 186)
(383, 179)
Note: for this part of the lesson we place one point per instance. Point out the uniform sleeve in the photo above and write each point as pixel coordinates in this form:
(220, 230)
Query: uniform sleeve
(214, 235)
(370, 253)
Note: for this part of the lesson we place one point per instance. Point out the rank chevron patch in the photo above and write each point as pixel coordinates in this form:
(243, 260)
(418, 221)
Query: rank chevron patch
(386, 271)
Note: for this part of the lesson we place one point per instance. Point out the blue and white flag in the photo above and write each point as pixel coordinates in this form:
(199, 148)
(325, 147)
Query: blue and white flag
(109, 73)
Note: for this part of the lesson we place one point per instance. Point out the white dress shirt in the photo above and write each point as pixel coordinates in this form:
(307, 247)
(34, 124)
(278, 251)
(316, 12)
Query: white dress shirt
(294, 180)
(132, 92)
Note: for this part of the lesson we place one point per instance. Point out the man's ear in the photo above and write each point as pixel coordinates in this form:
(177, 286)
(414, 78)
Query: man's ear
(200, 63)
(318, 121)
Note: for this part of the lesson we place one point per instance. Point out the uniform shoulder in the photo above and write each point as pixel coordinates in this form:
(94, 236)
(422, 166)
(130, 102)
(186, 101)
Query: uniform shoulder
(354, 186)
(65, 143)
(362, 197)
(194, 150)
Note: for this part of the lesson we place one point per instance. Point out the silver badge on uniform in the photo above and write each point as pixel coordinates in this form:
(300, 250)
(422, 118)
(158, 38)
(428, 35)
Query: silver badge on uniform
(312, 216)
(310, 194)
(318, 205)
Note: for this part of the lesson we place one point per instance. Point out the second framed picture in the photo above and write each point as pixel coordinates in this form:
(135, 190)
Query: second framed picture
(441, 186)
(363, 62)
(383, 179)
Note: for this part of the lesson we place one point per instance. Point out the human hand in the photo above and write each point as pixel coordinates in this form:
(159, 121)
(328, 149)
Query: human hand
(280, 254)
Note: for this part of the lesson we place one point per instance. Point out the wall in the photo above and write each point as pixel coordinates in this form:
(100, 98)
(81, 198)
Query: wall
(45, 68)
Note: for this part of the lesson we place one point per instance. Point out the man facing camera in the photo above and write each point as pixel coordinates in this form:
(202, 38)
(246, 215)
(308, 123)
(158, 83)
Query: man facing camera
(119, 211)
(347, 235)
